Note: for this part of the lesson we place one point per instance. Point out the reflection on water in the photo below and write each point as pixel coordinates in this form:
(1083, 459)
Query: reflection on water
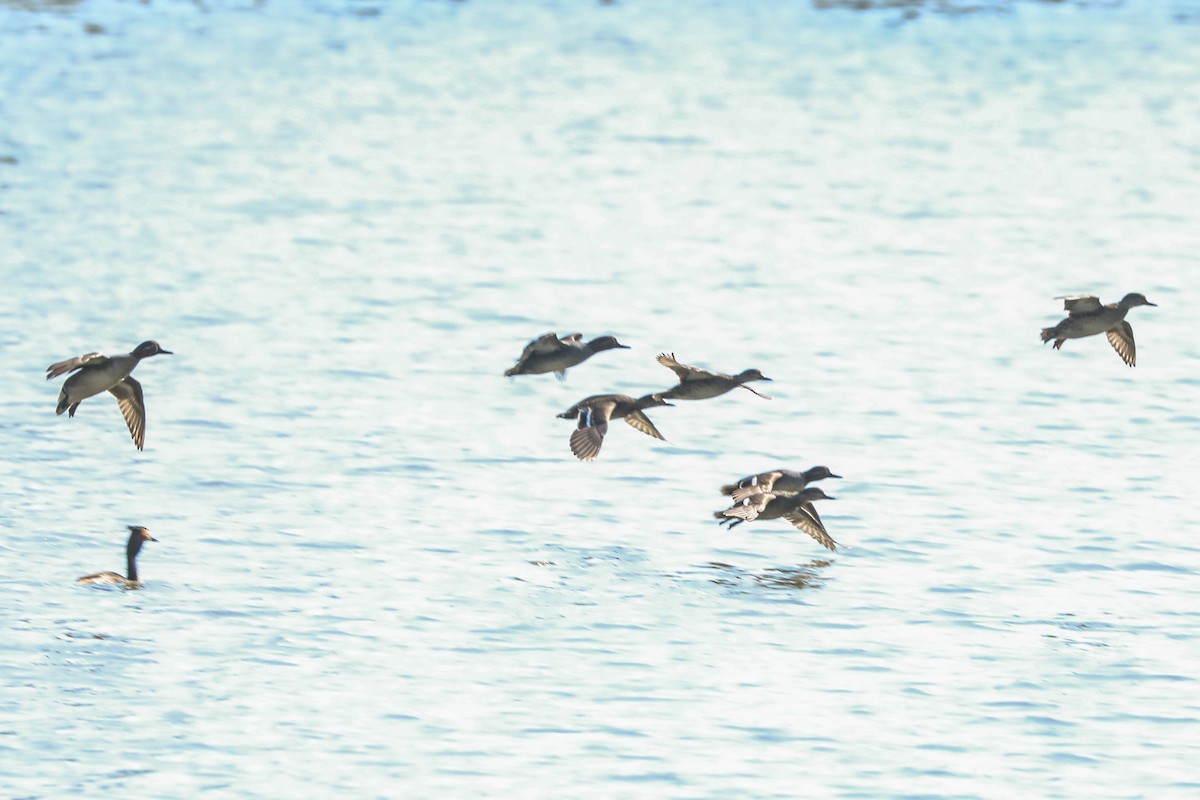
(807, 576)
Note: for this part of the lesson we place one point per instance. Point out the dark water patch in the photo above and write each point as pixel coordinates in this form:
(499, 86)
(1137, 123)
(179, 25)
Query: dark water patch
(646, 698)
(1050, 721)
(841, 626)
(468, 199)
(1031, 399)
(550, 731)
(666, 141)
(503, 532)
(1059, 426)
(391, 469)
(1076, 566)
(311, 545)
(459, 772)
(212, 424)
(1135, 677)
(1095, 548)
(1017, 704)
(1155, 566)
(645, 479)
(649, 777)
(509, 460)
(358, 375)
(228, 613)
(626, 732)
(492, 316)
(614, 626)
(1159, 720)
(1073, 758)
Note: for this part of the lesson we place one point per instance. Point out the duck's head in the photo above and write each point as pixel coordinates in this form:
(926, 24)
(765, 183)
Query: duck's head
(820, 473)
(651, 400)
(1135, 299)
(814, 493)
(150, 348)
(606, 343)
(747, 375)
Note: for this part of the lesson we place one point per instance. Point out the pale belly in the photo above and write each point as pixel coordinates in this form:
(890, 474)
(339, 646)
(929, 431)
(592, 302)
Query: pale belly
(1087, 326)
(554, 362)
(90, 382)
(700, 390)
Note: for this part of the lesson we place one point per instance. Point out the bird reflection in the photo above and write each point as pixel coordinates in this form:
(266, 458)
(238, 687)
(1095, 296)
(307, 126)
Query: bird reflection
(806, 576)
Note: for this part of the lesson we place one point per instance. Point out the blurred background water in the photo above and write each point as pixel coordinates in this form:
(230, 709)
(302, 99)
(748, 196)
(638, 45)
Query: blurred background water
(381, 572)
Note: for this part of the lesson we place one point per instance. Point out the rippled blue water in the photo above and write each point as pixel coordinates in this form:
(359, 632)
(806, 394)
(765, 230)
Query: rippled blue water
(380, 571)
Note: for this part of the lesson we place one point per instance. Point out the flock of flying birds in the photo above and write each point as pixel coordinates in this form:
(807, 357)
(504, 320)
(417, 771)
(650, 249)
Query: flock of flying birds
(778, 493)
(775, 494)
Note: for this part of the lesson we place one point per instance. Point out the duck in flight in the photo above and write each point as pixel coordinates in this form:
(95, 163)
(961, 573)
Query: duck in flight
(700, 384)
(549, 353)
(797, 508)
(1086, 316)
(138, 535)
(96, 373)
(594, 413)
(778, 481)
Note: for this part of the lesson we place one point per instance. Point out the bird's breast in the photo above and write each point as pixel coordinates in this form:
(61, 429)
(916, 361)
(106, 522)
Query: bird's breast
(94, 380)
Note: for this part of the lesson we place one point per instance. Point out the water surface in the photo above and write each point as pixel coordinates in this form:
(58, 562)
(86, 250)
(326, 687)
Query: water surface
(380, 570)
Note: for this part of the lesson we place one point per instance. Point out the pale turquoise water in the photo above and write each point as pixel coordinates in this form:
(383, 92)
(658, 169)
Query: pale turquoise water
(381, 573)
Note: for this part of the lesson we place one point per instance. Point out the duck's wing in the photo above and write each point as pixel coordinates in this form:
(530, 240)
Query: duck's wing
(1121, 338)
(812, 512)
(589, 435)
(803, 519)
(753, 484)
(740, 512)
(1081, 304)
(573, 339)
(683, 371)
(639, 421)
(542, 345)
(546, 343)
(72, 364)
(129, 399)
(585, 443)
